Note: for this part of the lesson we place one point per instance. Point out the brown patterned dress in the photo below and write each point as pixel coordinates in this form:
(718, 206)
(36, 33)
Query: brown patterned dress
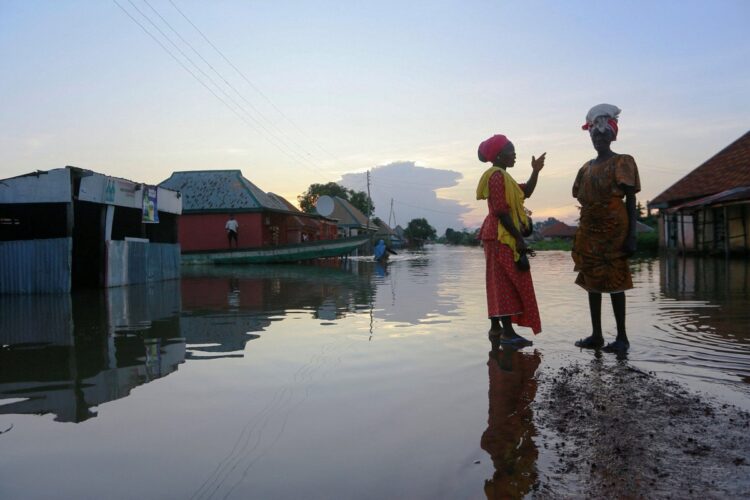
(598, 254)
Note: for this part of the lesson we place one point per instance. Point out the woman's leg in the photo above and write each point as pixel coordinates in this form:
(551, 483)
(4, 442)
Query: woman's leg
(595, 309)
(596, 339)
(510, 335)
(618, 305)
(495, 328)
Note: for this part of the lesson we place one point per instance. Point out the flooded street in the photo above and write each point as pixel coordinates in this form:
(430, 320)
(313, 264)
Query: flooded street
(349, 381)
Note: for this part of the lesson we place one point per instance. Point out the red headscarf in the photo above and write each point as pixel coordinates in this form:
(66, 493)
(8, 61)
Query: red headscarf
(611, 123)
(490, 148)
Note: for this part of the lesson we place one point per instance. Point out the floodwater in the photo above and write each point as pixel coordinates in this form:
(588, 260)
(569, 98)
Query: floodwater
(348, 381)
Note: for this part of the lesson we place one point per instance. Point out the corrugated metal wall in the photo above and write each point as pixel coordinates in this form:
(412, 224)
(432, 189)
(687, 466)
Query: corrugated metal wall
(36, 266)
(131, 262)
(33, 319)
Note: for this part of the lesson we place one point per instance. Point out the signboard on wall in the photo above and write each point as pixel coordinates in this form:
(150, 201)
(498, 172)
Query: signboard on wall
(150, 205)
(98, 188)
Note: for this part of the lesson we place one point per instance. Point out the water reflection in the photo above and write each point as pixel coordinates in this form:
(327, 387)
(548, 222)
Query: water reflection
(65, 354)
(707, 312)
(509, 438)
(264, 292)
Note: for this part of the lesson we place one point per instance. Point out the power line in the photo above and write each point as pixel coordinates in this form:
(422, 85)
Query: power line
(269, 136)
(244, 77)
(226, 82)
(257, 122)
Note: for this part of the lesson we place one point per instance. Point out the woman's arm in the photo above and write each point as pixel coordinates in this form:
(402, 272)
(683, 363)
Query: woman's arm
(507, 223)
(536, 165)
(630, 205)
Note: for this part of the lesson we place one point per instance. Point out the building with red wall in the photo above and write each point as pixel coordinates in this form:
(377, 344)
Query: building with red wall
(209, 197)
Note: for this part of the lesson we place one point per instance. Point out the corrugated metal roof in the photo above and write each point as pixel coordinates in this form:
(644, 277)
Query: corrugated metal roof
(220, 190)
(741, 193)
(348, 215)
(727, 169)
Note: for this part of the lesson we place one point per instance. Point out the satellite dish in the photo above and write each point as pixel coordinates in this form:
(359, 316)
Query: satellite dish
(324, 205)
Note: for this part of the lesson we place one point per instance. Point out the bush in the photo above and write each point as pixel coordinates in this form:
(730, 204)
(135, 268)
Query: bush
(553, 244)
(648, 242)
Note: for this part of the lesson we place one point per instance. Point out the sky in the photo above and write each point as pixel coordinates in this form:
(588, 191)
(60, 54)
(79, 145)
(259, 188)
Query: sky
(300, 92)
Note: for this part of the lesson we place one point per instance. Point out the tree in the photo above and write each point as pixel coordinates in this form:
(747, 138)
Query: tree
(359, 199)
(308, 199)
(464, 237)
(418, 231)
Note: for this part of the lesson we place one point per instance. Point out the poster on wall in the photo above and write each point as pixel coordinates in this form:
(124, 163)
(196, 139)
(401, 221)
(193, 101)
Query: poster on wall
(150, 206)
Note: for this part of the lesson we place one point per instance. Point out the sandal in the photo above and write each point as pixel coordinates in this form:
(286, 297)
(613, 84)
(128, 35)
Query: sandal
(590, 342)
(618, 346)
(517, 341)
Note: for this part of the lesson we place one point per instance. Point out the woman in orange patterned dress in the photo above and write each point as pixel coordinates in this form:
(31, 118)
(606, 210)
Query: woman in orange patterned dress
(606, 234)
(510, 291)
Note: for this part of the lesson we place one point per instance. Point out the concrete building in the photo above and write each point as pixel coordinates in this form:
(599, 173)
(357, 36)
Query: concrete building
(708, 210)
(71, 228)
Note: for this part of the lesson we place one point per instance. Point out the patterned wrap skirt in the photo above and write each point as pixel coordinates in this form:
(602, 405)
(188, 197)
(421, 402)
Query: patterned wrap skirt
(598, 254)
(510, 292)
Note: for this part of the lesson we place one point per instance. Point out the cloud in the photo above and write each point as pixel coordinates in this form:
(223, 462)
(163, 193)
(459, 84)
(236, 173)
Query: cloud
(413, 190)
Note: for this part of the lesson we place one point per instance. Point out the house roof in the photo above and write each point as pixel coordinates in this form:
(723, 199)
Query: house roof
(285, 202)
(220, 191)
(302, 219)
(558, 229)
(383, 228)
(727, 169)
(741, 193)
(347, 214)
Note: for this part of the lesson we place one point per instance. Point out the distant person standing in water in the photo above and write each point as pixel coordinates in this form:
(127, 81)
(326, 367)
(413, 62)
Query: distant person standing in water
(232, 227)
(510, 291)
(606, 234)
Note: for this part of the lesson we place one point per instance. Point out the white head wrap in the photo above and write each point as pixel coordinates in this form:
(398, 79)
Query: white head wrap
(598, 118)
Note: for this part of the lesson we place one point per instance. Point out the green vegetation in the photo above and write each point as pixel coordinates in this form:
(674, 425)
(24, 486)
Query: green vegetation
(418, 231)
(648, 243)
(464, 237)
(553, 244)
(357, 198)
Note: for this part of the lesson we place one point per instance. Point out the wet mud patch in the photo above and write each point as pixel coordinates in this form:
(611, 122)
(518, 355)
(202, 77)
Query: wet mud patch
(617, 432)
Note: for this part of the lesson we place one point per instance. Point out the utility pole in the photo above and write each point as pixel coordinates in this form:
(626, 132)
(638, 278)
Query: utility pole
(369, 207)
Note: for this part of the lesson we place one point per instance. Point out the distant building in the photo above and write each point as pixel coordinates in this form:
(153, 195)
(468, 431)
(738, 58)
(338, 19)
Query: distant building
(708, 210)
(71, 228)
(558, 230)
(211, 196)
(303, 227)
(349, 219)
(384, 232)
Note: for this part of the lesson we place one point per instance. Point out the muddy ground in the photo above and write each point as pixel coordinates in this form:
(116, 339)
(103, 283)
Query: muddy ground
(612, 431)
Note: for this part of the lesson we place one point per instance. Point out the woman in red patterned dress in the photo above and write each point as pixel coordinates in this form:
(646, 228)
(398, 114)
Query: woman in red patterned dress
(510, 290)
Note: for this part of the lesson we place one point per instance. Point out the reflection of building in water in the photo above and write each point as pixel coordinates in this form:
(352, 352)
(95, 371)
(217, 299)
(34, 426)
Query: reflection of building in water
(509, 438)
(704, 277)
(718, 281)
(65, 354)
(222, 305)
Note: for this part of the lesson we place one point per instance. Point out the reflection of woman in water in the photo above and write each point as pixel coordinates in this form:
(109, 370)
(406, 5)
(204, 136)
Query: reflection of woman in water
(510, 291)
(510, 427)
